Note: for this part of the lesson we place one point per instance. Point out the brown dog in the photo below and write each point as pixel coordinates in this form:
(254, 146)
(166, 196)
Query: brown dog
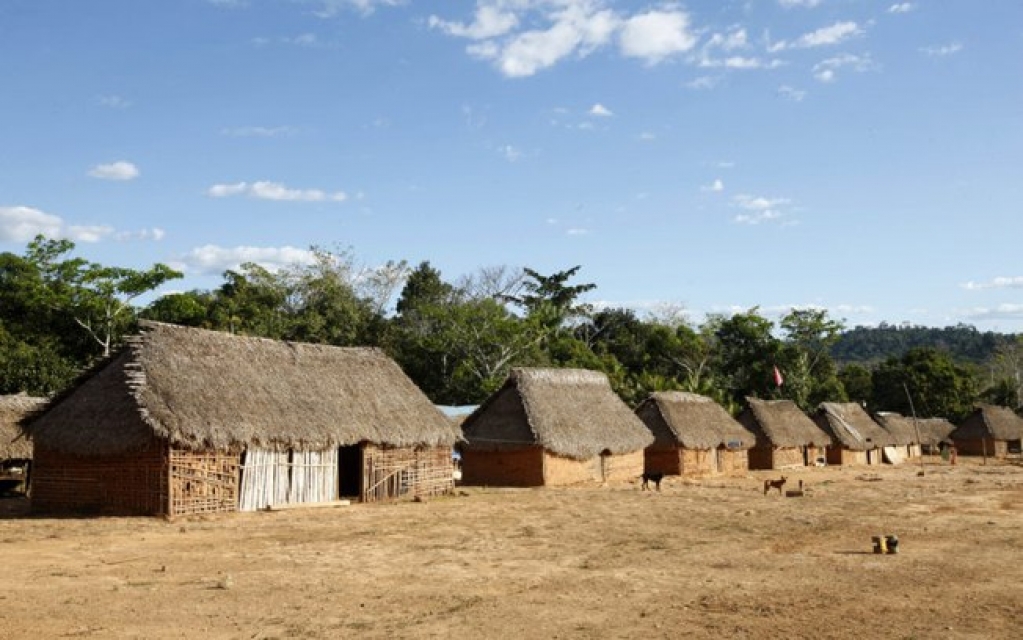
(774, 484)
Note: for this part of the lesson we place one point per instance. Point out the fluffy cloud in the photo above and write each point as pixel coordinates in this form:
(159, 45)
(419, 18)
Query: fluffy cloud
(1001, 312)
(21, 224)
(120, 170)
(788, 4)
(211, 259)
(1001, 282)
(826, 70)
(824, 37)
(331, 8)
(943, 50)
(113, 102)
(265, 190)
(758, 210)
(715, 187)
(490, 22)
(600, 110)
(791, 93)
(565, 28)
(656, 35)
(901, 7)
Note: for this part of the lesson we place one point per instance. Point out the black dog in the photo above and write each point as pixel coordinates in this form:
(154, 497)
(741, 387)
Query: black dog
(649, 477)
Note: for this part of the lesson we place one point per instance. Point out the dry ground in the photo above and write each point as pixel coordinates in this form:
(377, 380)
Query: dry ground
(713, 558)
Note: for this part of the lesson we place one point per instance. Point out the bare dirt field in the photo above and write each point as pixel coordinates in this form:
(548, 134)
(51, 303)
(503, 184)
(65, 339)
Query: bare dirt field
(709, 558)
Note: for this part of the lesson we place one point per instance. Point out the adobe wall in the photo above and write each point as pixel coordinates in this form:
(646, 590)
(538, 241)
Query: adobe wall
(504, 468)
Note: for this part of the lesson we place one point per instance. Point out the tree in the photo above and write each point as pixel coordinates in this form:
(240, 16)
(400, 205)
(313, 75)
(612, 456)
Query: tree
(810, 373)
(98, 298)
(939, 387)
(747, 354)
(550, 299)
(857, 382)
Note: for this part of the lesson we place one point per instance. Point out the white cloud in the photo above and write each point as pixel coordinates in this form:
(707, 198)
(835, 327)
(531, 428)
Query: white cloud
(490, 22)
(265, 190)
(510, 153)
(577, 231)
(211, 259)
(656, 35)
(809, 4)
(823, 37)
(120, 170)
(113, 102)
(715, 187)
(332, 8)
(1001, 282)
(735, 39)
(791, 93)
(703, 83)
(943, 50)
(600, 111)
(826, 70)
(759, 209)
(21, 224)
(1005, 311)
(523, 37)
(647, 136)
(901, 7)
(258, 132)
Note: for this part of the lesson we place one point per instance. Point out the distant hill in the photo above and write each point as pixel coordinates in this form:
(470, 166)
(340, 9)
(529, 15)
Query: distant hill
(869, 345)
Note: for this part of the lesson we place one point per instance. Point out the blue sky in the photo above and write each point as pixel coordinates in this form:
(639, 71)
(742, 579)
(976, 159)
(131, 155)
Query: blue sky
(865, 157)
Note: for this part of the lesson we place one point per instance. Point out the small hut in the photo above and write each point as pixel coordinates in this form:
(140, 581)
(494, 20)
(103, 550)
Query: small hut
(186, 421)
(785, 436)
(934, 432)
(548, 427)
(906, 433)
(693, 435)
(989, 430)
(855, 437)
(15, 448)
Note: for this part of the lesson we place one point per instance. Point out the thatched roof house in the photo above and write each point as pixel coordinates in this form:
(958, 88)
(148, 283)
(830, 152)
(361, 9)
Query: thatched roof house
(692, 435)
(13, 408)
(785, 436)
(855, 437)
(204, 402)
(552, 426)
(934, 431)
(906, 433)
(989, 430)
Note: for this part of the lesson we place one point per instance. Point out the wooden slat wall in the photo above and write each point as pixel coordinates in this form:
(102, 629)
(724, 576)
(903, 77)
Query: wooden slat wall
(203, 482)
(129, 484)
(390, 473)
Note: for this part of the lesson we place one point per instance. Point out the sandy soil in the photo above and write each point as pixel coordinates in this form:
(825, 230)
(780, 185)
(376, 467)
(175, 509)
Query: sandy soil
(712, 558)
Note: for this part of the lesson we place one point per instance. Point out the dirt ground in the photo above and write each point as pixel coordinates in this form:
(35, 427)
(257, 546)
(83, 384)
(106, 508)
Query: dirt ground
(710, 558)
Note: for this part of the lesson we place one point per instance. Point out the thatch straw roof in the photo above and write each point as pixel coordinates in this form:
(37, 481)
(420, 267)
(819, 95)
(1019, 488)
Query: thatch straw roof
(850, 426)
(691, 421)
(204, 390)
(13, 445)
(990, 421)
(569, 412)
(934, 431)
(781, 423)
(902, 429)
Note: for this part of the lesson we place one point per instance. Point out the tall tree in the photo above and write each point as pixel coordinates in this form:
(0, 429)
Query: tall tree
(938, 386)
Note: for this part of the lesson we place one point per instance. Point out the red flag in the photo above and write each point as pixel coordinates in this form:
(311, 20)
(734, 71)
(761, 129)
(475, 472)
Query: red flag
(778, 380)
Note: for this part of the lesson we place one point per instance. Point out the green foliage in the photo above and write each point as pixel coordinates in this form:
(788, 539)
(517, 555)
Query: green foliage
(937, 385)
(872, 345)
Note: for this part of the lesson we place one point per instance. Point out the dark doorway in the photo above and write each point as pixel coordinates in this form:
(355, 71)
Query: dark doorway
(350, 471)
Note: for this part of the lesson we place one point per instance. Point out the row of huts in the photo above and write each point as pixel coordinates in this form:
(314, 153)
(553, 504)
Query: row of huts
(187, 421)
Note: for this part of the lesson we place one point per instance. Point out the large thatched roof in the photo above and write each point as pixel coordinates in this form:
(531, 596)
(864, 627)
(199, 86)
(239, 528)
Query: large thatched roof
(851, 426)
(203, 389)
(12, 409)
(992, 422)
(781, 423)
(691, 421)
(570, 412)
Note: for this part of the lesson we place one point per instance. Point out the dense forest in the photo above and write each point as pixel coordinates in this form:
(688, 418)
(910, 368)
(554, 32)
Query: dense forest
(457, 339)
